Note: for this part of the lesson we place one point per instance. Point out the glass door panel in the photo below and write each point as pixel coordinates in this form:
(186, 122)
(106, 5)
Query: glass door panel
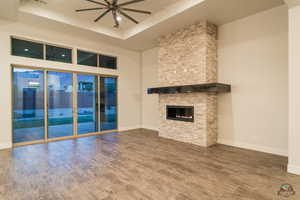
(28, 105)
(87, 115)
(60, 104)
(108, 103)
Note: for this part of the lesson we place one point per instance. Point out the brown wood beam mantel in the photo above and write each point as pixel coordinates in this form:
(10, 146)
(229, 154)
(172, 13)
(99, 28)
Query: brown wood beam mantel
(207, 87)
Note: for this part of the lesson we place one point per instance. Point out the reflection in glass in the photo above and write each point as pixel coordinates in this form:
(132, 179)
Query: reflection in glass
(108, 62)
(108, 103)
(58, 54)
(87, 104)
(27, 49)
(86, 58)
(28, 105)
(60, 104)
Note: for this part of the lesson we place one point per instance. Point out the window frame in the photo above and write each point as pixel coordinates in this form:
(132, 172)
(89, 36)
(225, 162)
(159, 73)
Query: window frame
(101, 54)
(98, 58)
(63, 47)
(44, 48)
(74, 52)
(26, 40)
(86, 51)
(75, 131)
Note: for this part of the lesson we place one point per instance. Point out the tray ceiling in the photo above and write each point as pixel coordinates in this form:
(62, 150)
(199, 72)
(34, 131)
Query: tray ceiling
(168, 15)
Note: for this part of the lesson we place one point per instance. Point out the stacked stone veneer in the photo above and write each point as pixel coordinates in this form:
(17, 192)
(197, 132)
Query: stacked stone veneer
(186, 57)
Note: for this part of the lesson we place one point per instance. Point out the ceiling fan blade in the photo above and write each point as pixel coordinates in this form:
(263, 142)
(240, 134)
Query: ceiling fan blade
(88, 9)
(130, 2)
(127, 16)
(106, 1)
(103, 14)
(115, 18)
(138, 11)
(96, 2)
(115, 2)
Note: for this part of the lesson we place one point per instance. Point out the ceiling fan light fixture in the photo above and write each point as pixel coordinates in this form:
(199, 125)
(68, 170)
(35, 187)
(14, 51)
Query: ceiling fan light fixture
(119, 18)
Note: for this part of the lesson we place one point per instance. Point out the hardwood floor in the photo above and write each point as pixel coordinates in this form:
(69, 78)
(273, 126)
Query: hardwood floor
(138, 165)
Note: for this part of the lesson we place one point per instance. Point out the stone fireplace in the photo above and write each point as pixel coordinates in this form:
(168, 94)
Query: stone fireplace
(187, 75)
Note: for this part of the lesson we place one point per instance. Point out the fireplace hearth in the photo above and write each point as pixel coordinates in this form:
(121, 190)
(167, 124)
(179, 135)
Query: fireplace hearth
(180, 113)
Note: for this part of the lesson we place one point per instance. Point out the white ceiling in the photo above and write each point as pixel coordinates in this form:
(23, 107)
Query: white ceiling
(8, 9)
(168, 15)
(67, 8)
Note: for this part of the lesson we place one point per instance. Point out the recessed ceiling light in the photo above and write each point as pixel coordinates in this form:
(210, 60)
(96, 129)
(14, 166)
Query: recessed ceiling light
(63, 55)
(26, 50)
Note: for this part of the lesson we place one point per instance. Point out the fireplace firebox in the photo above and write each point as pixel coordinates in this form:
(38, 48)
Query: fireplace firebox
(180, 113)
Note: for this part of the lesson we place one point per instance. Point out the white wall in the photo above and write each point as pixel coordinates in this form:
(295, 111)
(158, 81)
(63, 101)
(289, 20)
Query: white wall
(150, 113)
(253, 57)
(294, 90)
(129, 97)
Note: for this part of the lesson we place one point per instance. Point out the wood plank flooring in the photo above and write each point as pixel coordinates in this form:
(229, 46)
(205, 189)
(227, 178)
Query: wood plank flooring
(138, 165)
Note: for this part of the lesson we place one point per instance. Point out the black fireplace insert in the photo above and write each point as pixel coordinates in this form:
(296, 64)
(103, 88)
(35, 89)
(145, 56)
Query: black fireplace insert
(180, 113)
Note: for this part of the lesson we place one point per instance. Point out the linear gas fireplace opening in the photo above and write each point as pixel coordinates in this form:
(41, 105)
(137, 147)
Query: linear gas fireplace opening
(180, 113)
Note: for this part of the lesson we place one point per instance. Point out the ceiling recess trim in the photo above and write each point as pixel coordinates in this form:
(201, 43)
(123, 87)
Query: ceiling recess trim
(161, 16)
(151, 21)
(292, 3)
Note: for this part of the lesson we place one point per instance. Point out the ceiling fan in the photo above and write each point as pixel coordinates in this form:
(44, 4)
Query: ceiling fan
(117, 9)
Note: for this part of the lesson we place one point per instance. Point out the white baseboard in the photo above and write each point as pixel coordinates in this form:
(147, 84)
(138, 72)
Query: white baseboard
(137, 127)
(122, 129)
(150, 128)
(270, 150)
(294, 169)
(5, 146)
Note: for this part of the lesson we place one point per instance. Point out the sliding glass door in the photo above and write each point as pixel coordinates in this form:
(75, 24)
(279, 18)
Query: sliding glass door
(28, 105)
(108, 103)
(87, 109)
(52, 105)
(60, 104)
